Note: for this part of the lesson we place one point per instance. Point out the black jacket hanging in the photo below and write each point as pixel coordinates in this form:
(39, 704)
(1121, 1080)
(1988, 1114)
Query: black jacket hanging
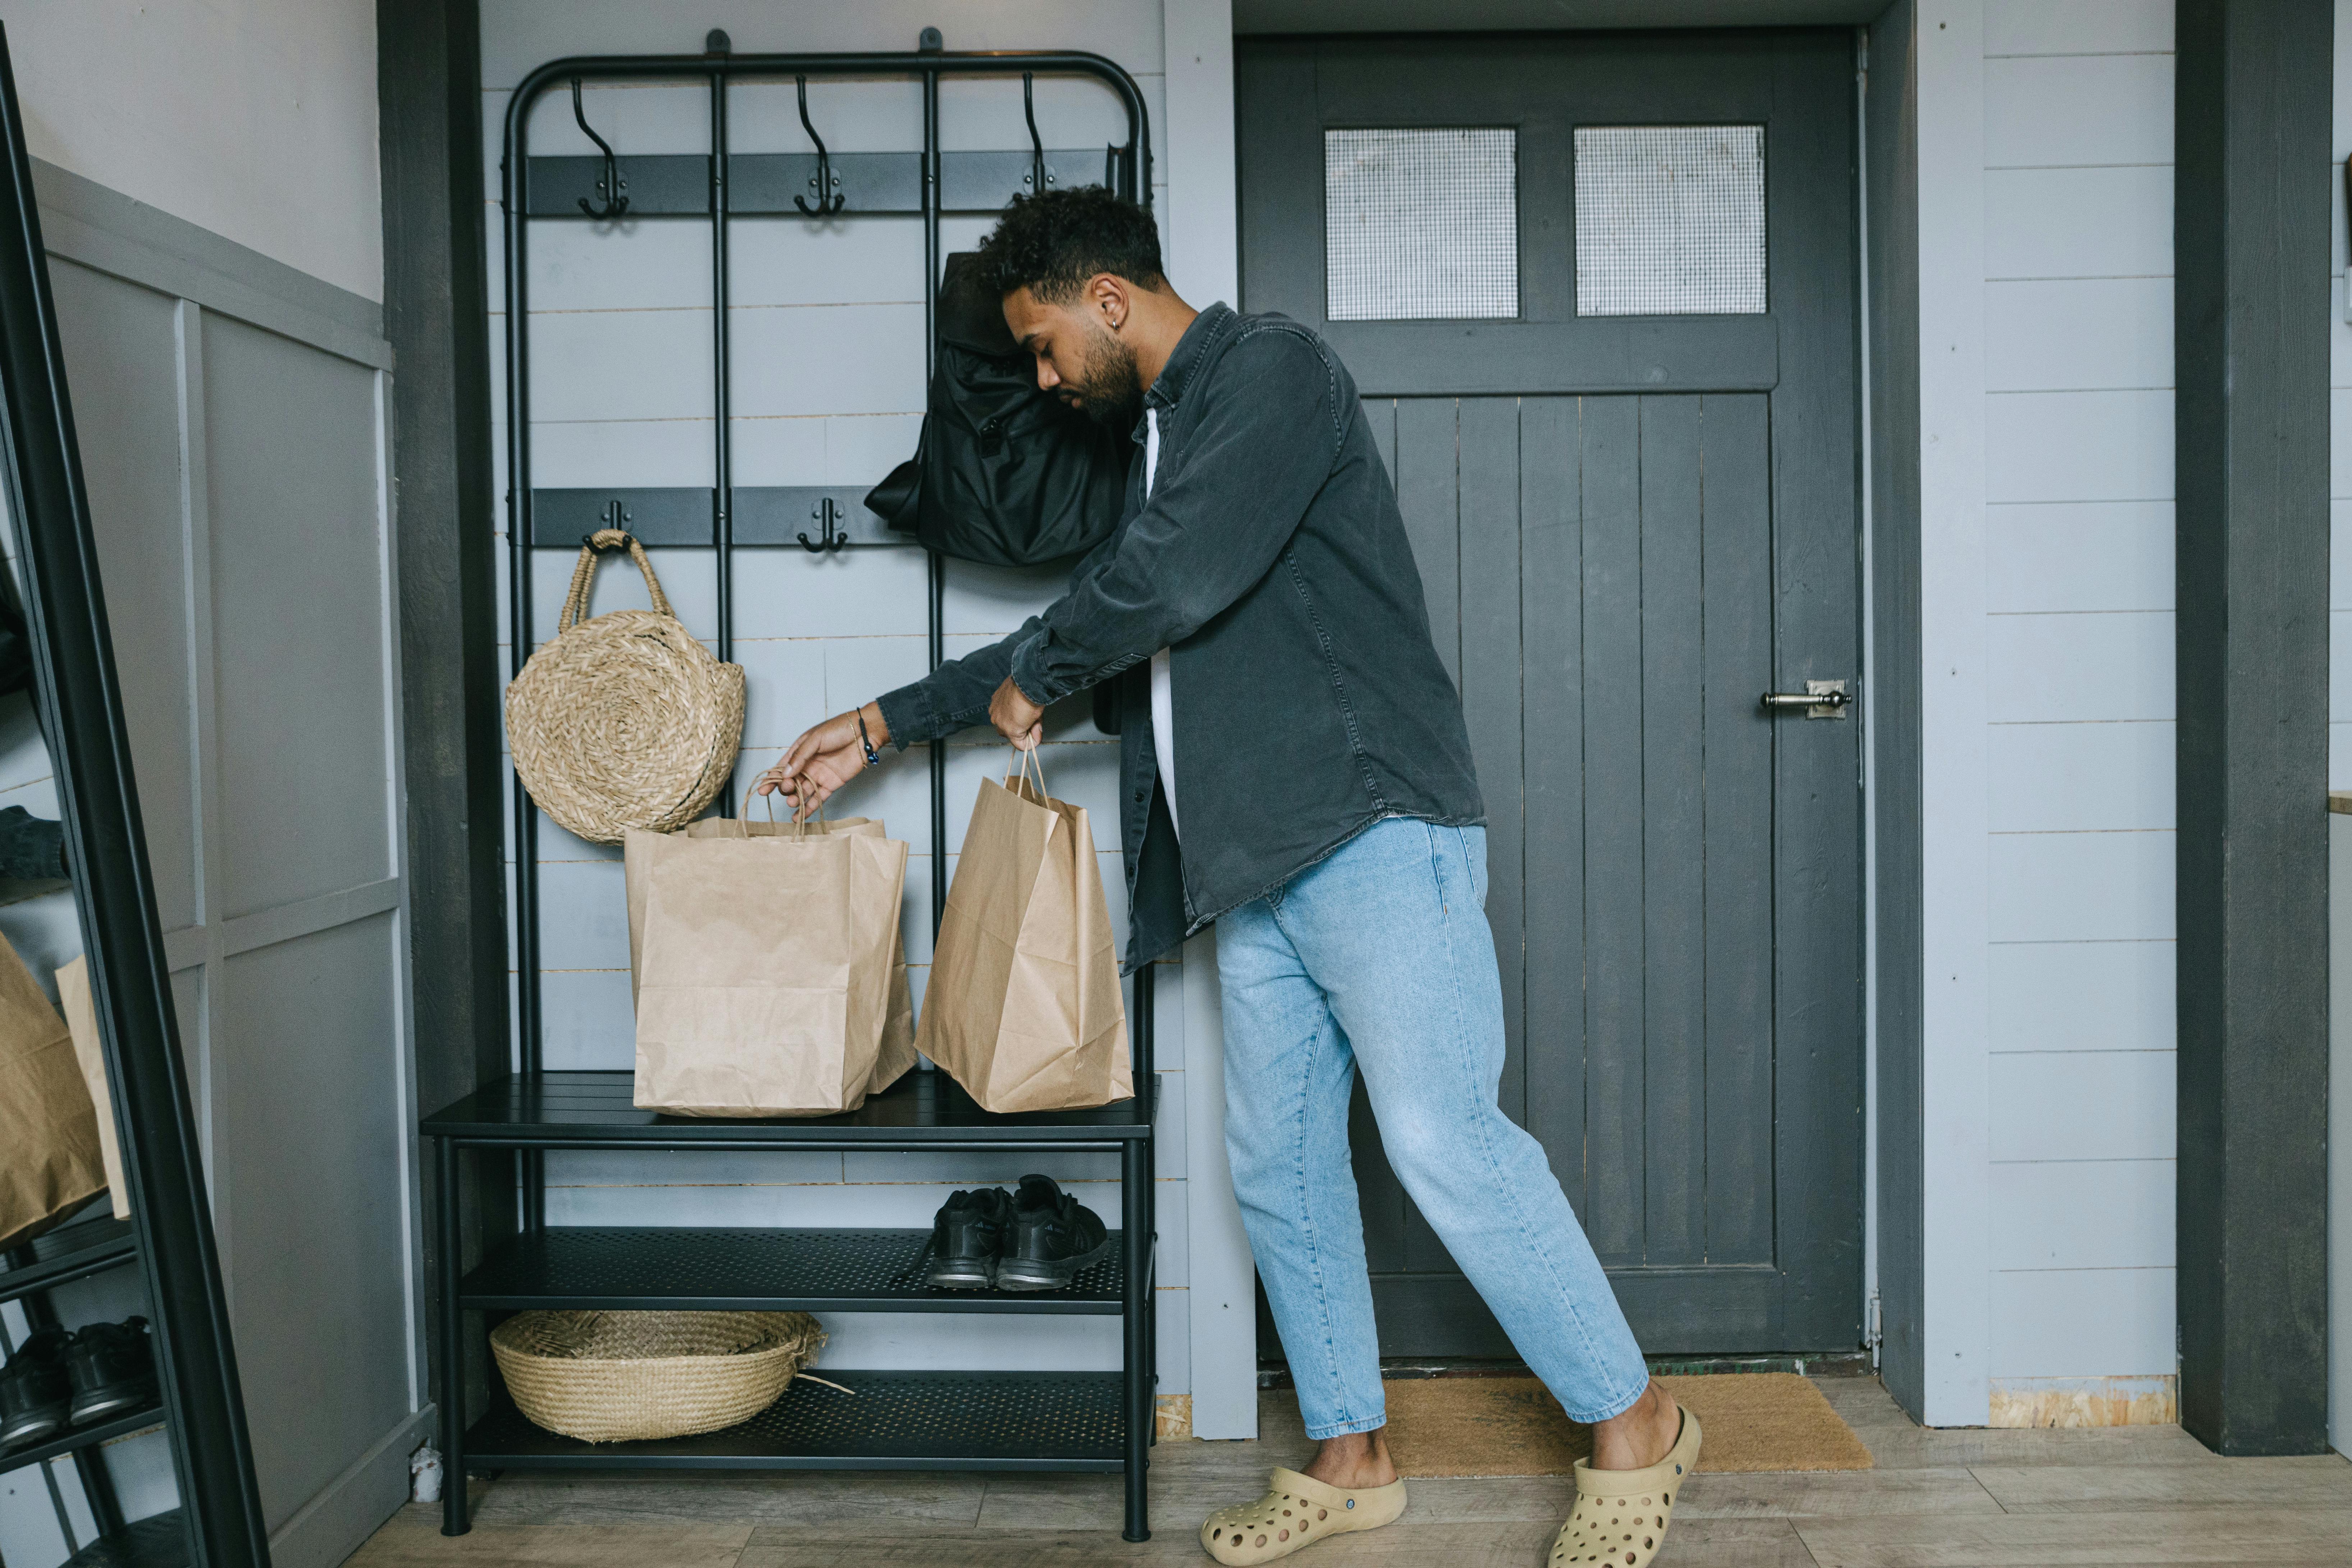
(1004, 474)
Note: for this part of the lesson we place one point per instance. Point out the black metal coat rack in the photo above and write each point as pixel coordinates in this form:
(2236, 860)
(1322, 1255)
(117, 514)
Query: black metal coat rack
(936, 1420)
(718, 186)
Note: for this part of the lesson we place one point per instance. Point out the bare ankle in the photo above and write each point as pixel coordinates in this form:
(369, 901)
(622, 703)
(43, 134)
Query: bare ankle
(1353, 1461)
(1638, 1436)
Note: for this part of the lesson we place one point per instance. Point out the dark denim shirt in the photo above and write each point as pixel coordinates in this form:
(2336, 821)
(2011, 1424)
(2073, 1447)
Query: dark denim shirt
(1270, 559)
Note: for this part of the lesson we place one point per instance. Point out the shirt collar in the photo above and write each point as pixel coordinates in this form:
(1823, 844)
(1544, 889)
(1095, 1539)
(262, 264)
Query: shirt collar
(1192, 352)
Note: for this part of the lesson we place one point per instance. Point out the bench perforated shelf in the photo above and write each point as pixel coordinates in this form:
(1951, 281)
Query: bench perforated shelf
(697, 1269)
(890, 1421)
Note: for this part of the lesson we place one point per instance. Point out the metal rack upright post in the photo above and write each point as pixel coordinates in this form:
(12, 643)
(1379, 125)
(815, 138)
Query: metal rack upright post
(920, 1420)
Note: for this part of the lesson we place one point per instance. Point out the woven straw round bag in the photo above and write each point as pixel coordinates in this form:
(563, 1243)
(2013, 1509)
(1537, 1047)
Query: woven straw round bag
(623, 721)
(606, 1378)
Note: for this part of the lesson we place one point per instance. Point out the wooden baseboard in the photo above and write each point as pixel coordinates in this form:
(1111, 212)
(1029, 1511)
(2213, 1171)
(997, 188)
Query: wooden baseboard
(2085, 1401)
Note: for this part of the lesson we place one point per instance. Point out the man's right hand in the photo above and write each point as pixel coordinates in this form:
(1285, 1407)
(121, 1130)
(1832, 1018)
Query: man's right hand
(824, 758)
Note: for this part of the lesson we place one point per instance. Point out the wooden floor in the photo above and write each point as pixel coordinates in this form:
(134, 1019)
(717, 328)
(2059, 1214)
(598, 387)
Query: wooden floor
(1939, 1499)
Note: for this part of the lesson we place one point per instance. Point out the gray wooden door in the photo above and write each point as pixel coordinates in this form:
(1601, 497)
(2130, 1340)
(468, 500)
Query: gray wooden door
(1633, 497)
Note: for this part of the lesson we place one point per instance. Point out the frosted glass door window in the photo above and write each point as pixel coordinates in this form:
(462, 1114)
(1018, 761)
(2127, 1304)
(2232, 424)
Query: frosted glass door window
(1421, 225)
(1669, 220)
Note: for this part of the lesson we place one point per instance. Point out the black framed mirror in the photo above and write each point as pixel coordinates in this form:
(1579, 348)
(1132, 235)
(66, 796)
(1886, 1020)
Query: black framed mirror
(77, 700)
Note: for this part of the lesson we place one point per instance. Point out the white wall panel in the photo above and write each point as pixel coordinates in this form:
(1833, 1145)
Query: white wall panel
(2082, 1105)
(2106, 664)
(618, 365)
(844, 358)
(2078, 333)
(2082, 887)
(853, 594)
(2090, 1322)
(2078, 110)
(625, 454)
(787, 262)
(2077, 27)
(2083, 995)
(2111, 221)
(2080, 555)
(2083, 1213)
(783, 689)
(1956, 230)
(587, 916)
(2078, 446)
(590, 1025)
(2053, 778)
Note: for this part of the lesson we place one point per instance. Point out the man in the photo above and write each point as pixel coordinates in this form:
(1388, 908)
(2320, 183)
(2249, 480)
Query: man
(1296, 771)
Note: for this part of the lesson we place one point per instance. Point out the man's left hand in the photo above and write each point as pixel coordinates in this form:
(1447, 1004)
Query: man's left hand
(1016, 718)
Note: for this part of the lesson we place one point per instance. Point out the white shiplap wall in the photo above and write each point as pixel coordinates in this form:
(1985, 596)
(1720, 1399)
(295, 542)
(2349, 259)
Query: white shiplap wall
(2078, 425)
(827, 339)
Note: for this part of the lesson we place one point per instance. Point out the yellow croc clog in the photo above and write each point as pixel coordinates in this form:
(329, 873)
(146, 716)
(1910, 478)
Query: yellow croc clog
(1295, 1512)
(1620, 1516)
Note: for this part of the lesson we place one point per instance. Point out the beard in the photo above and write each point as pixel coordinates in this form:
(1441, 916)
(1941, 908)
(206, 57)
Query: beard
(1106, 390)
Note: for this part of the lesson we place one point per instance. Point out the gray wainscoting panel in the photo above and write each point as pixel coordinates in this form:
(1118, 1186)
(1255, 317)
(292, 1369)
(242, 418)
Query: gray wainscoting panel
(315, 1025)
(124, 343)
(298, 618)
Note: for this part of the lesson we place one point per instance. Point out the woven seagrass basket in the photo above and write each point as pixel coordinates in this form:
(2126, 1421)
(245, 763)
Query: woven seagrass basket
(625, 721)
(606, 1378)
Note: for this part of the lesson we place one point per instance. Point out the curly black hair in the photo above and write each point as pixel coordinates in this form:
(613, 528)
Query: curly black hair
(1052, 243)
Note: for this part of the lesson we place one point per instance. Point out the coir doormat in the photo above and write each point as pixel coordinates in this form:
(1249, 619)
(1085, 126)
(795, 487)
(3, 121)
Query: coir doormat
(1513, 1426)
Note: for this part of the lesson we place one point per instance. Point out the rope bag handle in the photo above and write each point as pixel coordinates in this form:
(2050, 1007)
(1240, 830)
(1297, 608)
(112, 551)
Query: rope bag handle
(585, 572)
(1027, 757)
(800, 829)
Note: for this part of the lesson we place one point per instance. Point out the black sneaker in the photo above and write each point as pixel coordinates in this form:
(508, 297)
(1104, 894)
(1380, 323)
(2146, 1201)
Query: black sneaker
(1052, 1236)
(113, 1370)
(967, 1234)
(34, 1392)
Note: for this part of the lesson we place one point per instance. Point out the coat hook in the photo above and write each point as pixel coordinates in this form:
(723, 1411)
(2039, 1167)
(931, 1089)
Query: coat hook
(612, 187)
(615, 515)
(1038, 178)
(827, 539)
(826, 180)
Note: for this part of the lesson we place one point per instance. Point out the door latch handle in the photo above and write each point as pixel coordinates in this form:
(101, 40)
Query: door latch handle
(1820, 699)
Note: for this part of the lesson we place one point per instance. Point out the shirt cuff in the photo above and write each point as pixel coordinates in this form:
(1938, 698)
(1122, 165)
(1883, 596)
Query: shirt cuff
(909, 715)
(1027, 672)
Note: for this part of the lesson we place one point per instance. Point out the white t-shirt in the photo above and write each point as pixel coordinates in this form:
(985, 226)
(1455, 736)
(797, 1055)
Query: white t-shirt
(1163, 704)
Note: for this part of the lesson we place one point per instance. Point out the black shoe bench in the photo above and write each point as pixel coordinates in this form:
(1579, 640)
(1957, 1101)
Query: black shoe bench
(977, 1420)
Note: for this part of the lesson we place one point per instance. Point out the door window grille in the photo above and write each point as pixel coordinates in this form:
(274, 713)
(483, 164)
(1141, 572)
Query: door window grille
(1421, 225)
(1669, 220)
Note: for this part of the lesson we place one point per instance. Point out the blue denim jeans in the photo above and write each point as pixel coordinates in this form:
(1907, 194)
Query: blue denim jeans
(1379, 958)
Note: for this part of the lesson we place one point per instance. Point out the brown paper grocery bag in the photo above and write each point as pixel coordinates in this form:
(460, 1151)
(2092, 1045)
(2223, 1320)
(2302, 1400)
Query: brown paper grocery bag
(50, 1158)
(767, 966)
(897, 1055)
(89, 1051)
(1024, 1006)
